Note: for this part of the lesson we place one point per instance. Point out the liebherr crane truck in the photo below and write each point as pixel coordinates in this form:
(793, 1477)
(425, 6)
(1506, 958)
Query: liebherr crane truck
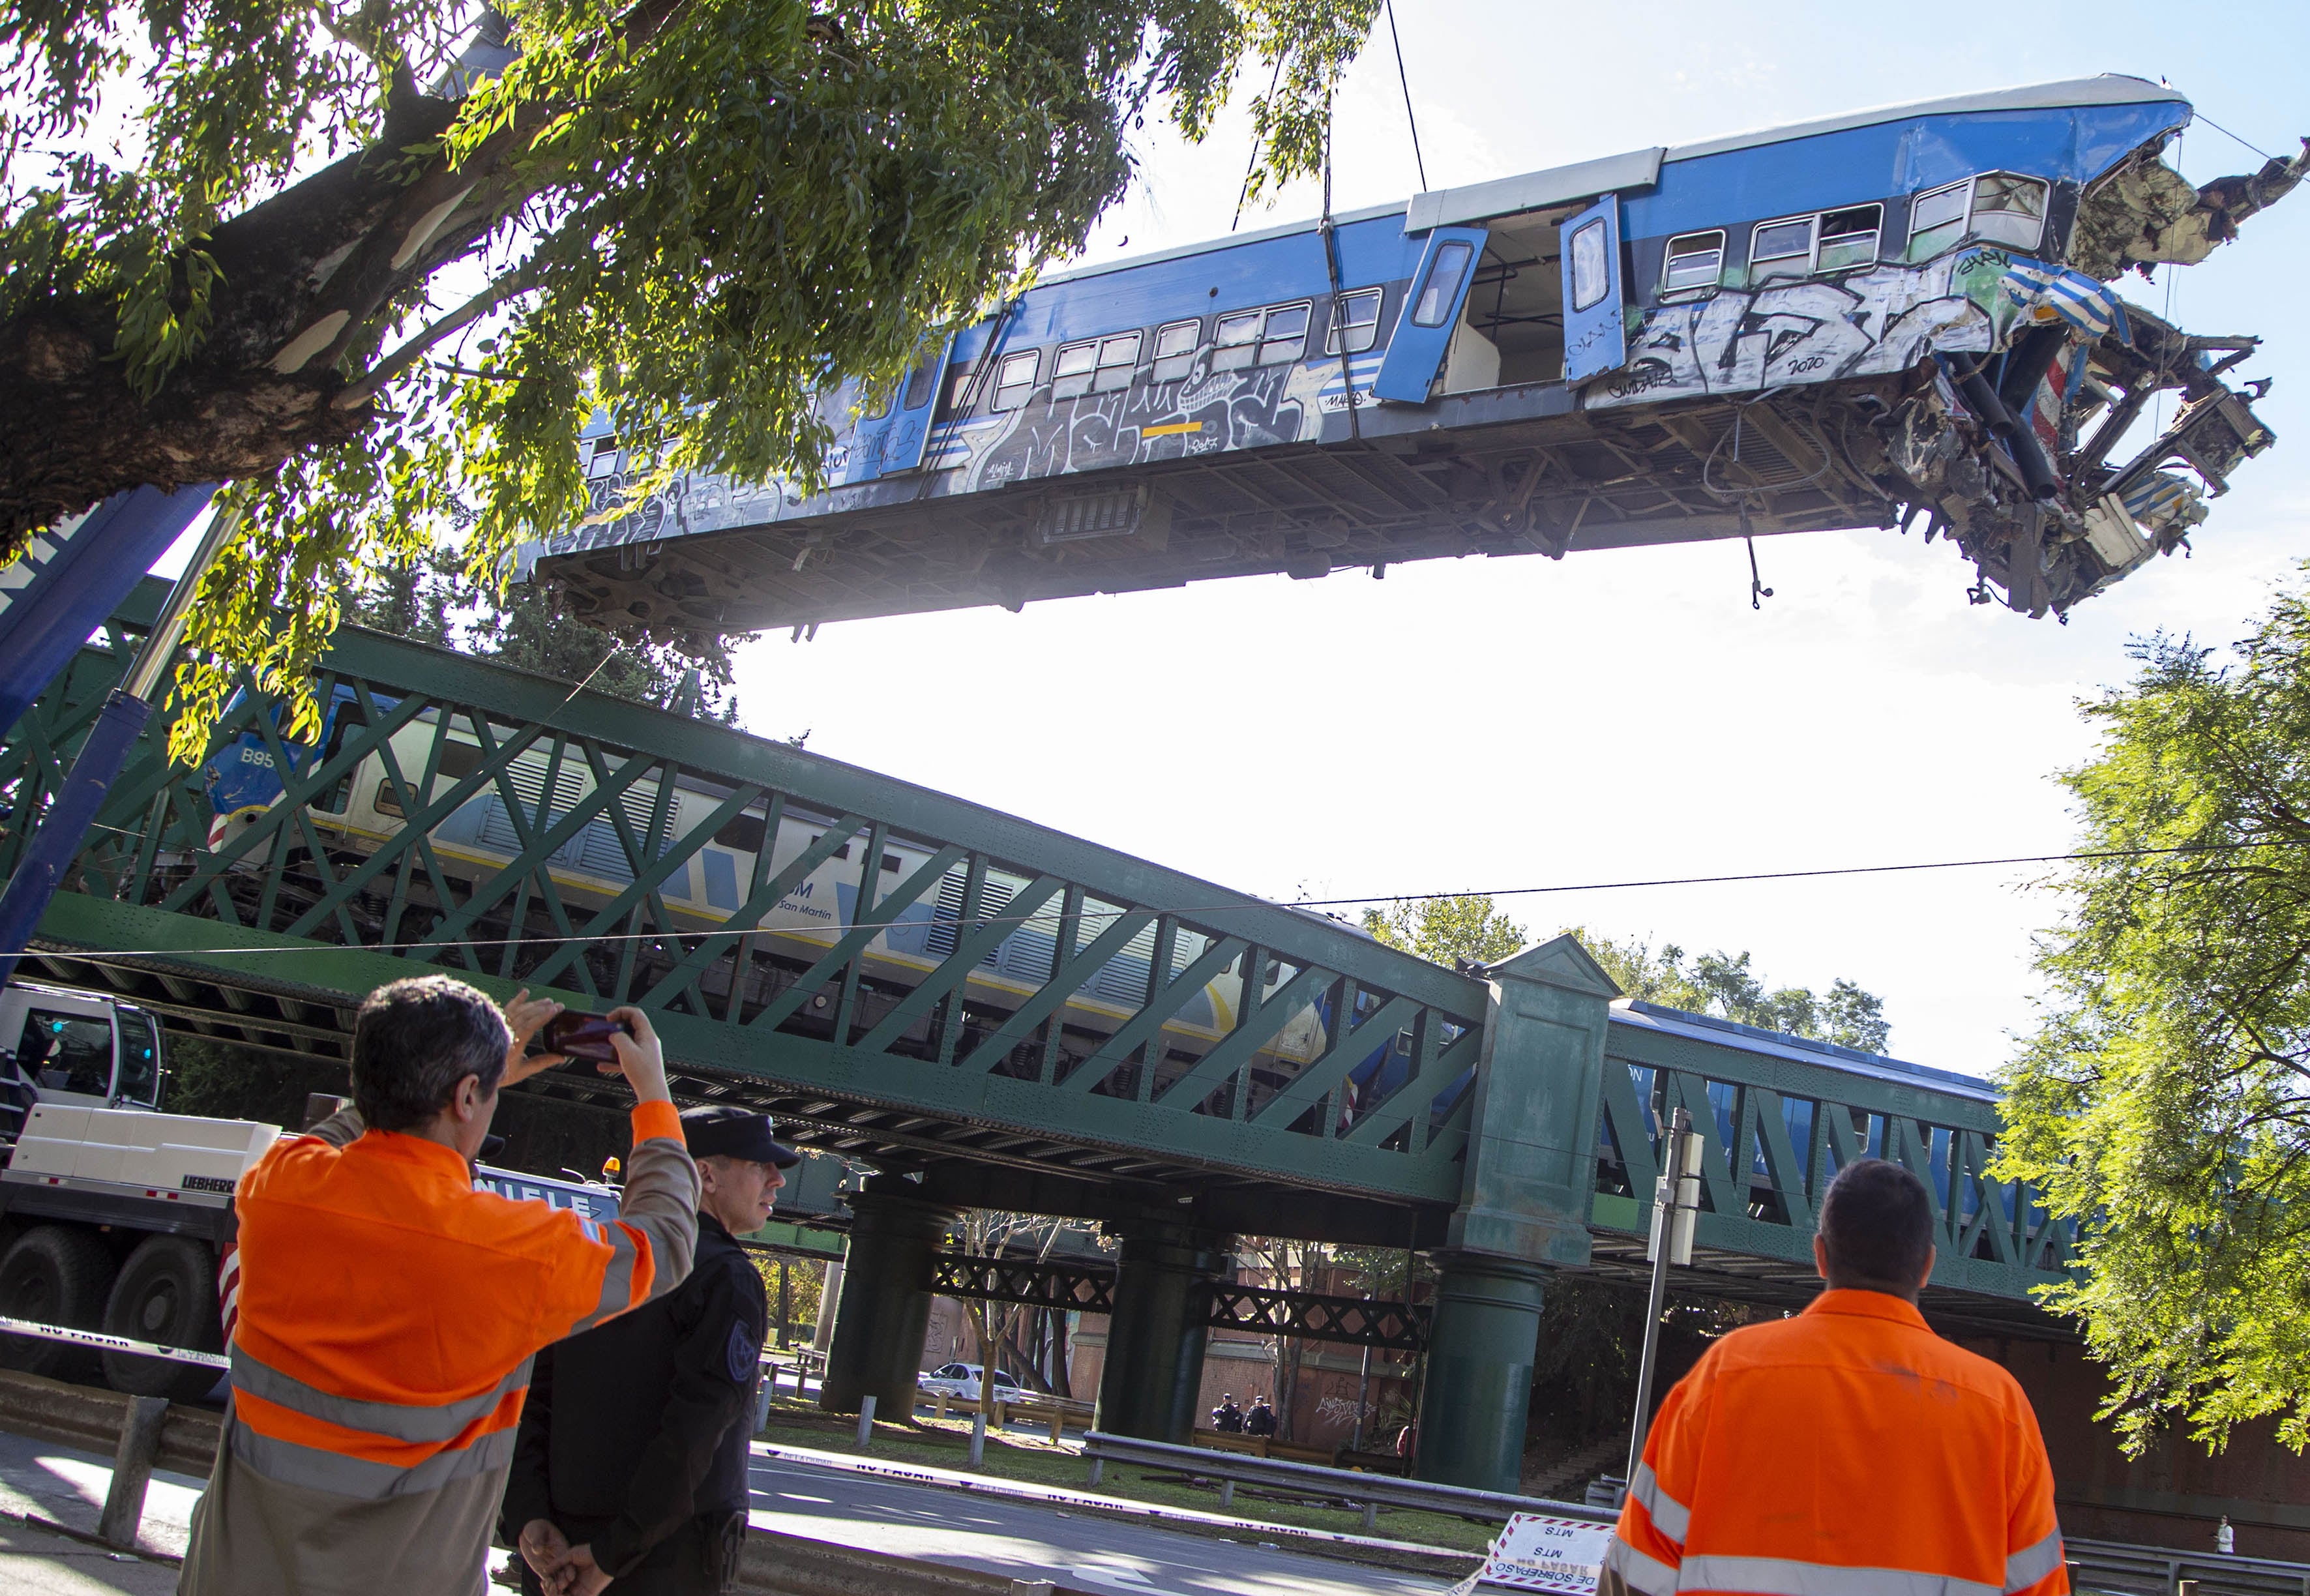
(113, 1214)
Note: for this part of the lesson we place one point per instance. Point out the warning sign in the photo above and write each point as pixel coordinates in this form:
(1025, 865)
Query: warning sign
(1534, 1553)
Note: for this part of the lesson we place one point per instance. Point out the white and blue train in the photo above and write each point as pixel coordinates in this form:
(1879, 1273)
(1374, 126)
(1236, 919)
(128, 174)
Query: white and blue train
(1894, 317)
(364, 811)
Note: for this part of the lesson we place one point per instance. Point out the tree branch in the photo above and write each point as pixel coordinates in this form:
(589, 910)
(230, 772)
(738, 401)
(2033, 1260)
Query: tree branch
(374, 381)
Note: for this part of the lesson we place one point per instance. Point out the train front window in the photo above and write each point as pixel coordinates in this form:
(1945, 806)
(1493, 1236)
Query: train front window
(920, 379)
(1848, 238)
(1592, 272)
(1780, 249)
(1358, 318)
(66, 1053)
(1014, 379)
(1117, 356)
(1175, 350)
(1286, 335)
(2009, 210)
(605, 460)
(1937, 220)
(1695, 260)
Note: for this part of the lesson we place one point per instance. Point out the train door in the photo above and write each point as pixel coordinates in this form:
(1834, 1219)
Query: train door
(1431, 311)
(892, 441)
(1595, 330)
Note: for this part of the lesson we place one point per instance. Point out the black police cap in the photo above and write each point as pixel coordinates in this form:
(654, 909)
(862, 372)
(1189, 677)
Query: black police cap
(725, 1130)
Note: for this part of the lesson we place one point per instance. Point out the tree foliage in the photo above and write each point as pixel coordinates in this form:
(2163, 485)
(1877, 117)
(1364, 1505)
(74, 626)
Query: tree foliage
(430, 599)
(1471, 929)
(2164, 1097)
(299, 246)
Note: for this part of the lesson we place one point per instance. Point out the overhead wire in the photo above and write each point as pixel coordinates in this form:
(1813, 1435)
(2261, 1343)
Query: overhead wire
(973, 923)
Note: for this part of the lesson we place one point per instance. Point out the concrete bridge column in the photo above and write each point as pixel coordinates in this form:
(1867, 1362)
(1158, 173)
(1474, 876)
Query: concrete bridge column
(885, 1307)
(1152, 1382)
(1479, 1384)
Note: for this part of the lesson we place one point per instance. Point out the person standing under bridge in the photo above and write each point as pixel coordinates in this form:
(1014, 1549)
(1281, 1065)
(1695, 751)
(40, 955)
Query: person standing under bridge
(389, 1311)
(1848, 1450)
(630, 1472)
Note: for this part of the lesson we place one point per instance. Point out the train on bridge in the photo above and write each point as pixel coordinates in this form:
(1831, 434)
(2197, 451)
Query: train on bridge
(811, 878)
(1898, 317)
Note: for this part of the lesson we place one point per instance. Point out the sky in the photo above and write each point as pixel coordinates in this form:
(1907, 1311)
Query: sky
(1624, 714)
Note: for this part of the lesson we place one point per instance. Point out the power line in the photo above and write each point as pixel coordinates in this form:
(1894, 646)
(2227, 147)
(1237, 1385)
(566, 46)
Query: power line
(981, 922)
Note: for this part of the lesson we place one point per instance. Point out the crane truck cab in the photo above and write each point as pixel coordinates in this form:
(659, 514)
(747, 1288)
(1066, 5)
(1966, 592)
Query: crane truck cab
(113, 1214)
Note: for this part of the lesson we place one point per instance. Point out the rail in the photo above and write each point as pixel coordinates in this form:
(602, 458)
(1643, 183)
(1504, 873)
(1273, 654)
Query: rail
(1371, 1492)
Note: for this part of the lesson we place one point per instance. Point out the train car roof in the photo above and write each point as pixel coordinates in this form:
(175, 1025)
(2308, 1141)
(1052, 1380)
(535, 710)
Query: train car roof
(1639, 169)
(1750, 1038)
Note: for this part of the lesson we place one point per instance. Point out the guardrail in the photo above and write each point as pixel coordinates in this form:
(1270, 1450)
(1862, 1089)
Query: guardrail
(1371, 1492)
(2114, 1568)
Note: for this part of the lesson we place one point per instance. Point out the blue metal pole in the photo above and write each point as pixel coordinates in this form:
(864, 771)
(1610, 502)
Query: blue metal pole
(49, 853)
(70, 579)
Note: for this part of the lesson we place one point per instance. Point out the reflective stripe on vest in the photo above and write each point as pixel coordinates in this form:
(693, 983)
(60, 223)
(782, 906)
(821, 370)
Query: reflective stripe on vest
(1787, 1576)
(617, 1275)
(1670, 1516)
(2031, 1564)
(297, 1434)
(1649, 1574)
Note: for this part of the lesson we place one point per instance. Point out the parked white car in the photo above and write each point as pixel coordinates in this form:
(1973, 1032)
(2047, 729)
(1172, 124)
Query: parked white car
(962, 1380)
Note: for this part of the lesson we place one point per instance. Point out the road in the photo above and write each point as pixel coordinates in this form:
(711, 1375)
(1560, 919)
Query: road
(1027, 1540)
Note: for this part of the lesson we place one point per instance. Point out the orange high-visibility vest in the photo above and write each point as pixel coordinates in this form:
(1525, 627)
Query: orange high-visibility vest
(388, 1315)
(1846, 1452)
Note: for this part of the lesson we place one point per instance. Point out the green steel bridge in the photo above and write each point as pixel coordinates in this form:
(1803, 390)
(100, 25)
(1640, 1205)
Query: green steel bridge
(1522, 1138)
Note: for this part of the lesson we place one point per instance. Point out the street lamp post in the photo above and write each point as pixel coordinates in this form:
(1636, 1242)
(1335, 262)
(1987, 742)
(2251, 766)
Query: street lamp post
(1676, 1207)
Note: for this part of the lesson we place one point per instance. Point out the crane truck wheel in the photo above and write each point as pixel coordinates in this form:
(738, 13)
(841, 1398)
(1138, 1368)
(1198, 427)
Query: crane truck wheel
(53, 1274)
(166, 1294)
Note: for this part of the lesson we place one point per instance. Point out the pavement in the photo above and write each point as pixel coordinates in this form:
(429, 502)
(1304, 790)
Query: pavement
(1033, 1540)
(1019, 1534)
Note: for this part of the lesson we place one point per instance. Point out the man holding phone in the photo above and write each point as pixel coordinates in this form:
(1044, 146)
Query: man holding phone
(388, 1312)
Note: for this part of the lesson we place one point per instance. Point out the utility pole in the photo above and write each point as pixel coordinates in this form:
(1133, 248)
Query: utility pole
(1676, 1206)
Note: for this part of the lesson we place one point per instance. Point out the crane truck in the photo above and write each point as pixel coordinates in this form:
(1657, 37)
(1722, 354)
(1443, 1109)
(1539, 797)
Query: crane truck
(114, 1214)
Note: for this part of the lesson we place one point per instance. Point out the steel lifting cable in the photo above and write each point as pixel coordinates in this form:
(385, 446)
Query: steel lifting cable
(1338, 327)
(1419, 164)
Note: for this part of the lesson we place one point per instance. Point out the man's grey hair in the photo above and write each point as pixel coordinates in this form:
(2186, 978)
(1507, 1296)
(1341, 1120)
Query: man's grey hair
(414, 1040)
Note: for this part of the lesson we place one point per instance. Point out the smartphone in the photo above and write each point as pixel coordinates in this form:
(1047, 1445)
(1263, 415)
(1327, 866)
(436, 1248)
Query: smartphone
(582, 1037)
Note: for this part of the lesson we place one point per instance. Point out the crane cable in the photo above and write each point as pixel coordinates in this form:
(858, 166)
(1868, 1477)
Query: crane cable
(1337, 327)
(1419, 164)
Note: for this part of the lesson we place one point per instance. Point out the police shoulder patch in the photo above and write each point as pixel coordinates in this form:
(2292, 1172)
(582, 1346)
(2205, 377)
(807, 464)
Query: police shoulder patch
(744, 1354)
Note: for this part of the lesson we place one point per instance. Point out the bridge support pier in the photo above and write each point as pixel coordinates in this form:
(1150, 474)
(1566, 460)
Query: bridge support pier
(1479, 1387)
(1151, 1386)
(885, 1309)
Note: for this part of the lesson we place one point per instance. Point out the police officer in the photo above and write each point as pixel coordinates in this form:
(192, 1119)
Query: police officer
(631, 1466)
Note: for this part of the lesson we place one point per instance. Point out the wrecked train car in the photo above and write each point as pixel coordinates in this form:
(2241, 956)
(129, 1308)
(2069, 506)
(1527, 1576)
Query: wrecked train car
(1901, 317)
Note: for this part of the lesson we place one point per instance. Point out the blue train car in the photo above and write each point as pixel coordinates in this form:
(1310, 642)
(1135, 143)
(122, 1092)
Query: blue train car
(1897, 317)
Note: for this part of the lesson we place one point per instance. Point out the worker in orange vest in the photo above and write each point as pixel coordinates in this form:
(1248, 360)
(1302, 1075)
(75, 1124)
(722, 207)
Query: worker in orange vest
(389, 1311)
(1847, 1451)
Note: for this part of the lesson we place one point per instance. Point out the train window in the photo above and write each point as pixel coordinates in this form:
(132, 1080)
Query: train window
(1358, 315)
(2009, 210)
(1014, 379)
(604, 460)
(1695, 260)
(1237, 343)
(889, 860)
(1078, 364)
(1848, 238)
(1285, 337)
(1175, 350)
(1441, 291)
(1117, 356)
(921, 378)
(1780, 249)
(880, 404)
(742, 832)
(1937, 220)
(387, 802)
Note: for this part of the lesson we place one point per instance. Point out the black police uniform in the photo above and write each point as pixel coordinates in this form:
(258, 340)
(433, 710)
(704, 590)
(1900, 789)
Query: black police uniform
(634, 1436)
